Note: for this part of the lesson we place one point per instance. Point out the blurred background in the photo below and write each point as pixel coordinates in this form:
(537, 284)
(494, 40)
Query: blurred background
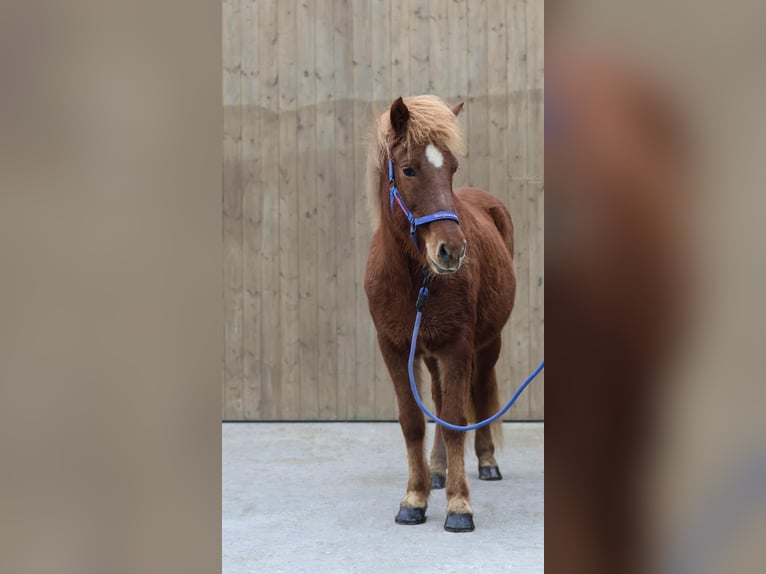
(654, 130)
(111, 314)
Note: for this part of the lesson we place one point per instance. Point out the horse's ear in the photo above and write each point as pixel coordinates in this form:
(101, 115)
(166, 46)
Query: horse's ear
(400, 115)
(457, 108)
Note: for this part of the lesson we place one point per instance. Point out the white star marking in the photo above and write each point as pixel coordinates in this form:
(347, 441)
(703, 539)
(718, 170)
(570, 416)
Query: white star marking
(434, 155)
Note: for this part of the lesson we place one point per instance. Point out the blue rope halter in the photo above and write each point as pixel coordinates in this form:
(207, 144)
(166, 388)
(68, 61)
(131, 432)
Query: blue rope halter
(393, 194)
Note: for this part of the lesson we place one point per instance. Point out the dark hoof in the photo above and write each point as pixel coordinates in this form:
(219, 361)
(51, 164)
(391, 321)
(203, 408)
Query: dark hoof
(437, 481)
(459, 523)
(411, 516)
(490, 473)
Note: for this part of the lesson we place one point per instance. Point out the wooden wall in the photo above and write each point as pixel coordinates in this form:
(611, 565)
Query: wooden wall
(302, 81)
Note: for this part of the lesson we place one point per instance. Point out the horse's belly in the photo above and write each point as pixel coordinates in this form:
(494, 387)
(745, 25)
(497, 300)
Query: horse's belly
(492, 319)
(495, 304)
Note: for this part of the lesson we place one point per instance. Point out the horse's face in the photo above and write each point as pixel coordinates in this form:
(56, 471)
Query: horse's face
(423, 175)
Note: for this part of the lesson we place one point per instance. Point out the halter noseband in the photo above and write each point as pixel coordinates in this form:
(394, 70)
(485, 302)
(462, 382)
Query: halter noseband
(393, 194)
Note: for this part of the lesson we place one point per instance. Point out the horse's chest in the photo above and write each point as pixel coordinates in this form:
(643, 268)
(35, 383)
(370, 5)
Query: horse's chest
(439, 329)
(441, 320)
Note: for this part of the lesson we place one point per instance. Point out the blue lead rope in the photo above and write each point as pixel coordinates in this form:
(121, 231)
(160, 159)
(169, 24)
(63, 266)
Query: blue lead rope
(410, 370)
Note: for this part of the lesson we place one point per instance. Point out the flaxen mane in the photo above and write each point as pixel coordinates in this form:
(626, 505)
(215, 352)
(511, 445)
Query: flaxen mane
(431, 121)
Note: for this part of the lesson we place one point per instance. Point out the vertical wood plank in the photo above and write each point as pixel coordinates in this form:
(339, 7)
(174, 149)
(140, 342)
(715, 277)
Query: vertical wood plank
(307, 242)
(365, 334)
(536, 296)
(457, 73)
(497, 137)
(344, 212)
(251, 211)
(535, 85)
(400, 49)
(438, 49)
(477, 94)
(288, 210)
(271, 367)
(518, 339)
(419, 49)
(380, 42)
(535, 216)
(381, 90)
(517, 89)
(324, 142)
(232, 212)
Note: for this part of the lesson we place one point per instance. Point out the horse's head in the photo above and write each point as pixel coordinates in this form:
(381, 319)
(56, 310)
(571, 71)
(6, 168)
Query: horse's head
(423, 172)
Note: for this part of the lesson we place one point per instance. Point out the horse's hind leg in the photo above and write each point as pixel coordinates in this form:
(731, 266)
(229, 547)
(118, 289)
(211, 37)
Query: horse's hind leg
(438, 461)
(484, 394)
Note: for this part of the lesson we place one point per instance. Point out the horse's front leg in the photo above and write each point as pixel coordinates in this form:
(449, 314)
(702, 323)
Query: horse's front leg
(456, 366)
(412, 509)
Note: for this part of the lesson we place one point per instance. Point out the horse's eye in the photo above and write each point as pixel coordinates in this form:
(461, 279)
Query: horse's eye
(409, 172)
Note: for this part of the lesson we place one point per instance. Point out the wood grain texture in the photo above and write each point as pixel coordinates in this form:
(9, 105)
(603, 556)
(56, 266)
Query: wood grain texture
(366, 342)
(327, 194)
(345, 379)
(420, 70)
(289, 245)
(251, 211)
(477, 105)
(400, 49)
(535, 214)
(302, 82)
(518, 336)
(271, 368)
(308, 245)
(457, 74)
(233, 382)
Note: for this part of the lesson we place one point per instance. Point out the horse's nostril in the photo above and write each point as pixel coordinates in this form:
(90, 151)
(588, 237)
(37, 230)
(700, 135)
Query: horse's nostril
(462, 251)
(443, 254)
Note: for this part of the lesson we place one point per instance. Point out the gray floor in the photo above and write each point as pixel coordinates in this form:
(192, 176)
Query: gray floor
(321, 497)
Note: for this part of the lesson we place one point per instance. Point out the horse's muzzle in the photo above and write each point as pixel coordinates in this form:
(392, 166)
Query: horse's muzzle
(448, 257)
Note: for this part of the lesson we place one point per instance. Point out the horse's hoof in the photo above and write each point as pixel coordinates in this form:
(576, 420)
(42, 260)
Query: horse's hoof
(411, 516)
(459, 523)
(437, 481)
(489, 473)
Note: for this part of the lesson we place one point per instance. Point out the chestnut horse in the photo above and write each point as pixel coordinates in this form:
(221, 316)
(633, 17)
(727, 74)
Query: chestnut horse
(471, 295)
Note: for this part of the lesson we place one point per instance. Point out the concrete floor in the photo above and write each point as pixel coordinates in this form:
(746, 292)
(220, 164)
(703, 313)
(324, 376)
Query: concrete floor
(321, 497)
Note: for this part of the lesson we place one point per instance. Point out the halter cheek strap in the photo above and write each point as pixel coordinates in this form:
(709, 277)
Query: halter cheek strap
(394, 195)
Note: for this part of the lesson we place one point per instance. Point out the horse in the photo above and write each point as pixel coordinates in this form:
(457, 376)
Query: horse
(469, 258)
